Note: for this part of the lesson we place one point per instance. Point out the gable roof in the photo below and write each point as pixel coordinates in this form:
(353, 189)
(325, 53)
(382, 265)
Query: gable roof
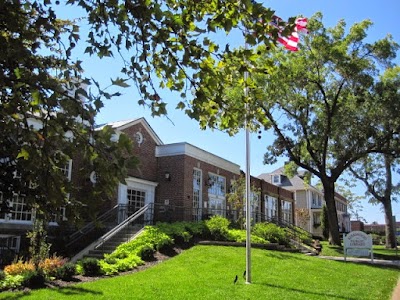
(294, 183)
(121, 125)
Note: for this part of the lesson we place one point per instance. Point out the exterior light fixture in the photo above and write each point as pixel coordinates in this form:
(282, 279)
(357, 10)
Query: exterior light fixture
(167, 176)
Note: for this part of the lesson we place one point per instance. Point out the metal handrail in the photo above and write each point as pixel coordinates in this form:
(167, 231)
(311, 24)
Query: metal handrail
(90, 226)
(122, 225)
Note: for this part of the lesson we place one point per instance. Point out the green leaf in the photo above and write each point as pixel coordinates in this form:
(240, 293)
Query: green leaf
(120, 82)
(23, 154)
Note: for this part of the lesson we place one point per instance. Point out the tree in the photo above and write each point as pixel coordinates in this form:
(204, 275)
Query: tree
(47, 118)
(236, 197)
(376, 170)
(302, 217)
(48, 107)
(318, 102)
(354, 202)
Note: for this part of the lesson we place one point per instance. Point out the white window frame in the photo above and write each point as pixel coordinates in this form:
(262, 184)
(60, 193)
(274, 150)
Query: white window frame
(271, 207)
(217, 194)
(276, 179)
(197, 193)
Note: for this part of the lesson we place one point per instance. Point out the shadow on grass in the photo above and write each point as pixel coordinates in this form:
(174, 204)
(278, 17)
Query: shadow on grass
(305, 292)
(67, 291)
(282, 255)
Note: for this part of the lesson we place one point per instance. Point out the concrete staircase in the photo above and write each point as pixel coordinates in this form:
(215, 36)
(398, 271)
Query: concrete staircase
(123, 232)
(116, 240)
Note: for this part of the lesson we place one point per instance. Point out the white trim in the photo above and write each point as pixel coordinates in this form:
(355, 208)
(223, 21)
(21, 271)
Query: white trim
(141, 181)
(197, 153)
(121, 125)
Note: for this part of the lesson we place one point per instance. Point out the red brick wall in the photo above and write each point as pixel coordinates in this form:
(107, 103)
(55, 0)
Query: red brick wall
(179, 191)
(145, 152)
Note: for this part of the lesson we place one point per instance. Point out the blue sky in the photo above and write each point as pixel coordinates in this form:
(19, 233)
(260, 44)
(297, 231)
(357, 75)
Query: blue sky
(383, 13)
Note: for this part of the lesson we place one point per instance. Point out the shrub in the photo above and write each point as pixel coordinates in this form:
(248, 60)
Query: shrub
(91, 266)
(304, 236)
(178, 231)
(2, 275)
(146, 252)
(218, 227)
(270, 232)
(34, 279)
(19, 268)
(52, 264)
(239, 235)
(66, 271)
(11, 282)
(197, 229)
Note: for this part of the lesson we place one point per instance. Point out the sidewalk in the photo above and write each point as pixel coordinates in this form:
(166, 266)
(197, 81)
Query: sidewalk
(363, 260)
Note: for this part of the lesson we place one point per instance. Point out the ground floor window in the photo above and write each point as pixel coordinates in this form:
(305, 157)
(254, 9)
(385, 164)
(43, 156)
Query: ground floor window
(136, 200)
(271, 207)
(216, 206)
(316, 219)
(287, 211)
(197, 184)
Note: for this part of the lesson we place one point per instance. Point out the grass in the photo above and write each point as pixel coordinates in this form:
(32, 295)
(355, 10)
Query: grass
(380, 252)
(208, 272)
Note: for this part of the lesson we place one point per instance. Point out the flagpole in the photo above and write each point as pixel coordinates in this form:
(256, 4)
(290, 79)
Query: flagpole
(247, 174)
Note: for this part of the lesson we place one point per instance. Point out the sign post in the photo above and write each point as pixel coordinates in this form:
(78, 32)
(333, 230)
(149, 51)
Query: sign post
(358, 243)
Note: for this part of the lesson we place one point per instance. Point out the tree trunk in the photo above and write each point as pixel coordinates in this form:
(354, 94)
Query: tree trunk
(387, 205)
(329, 192)
(389, 224)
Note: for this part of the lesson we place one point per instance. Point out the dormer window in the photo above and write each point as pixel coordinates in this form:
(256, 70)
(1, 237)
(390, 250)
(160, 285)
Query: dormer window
(276, 179)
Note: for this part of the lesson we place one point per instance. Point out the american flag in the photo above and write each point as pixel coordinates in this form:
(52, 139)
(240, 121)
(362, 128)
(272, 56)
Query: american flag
(291, 41)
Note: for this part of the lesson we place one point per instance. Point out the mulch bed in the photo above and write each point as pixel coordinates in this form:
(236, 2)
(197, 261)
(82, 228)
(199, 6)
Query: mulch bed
(158, 258)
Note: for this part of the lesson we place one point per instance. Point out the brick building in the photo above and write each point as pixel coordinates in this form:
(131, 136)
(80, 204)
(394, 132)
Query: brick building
(180, 182)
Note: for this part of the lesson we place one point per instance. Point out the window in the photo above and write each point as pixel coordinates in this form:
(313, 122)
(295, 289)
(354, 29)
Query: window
(136, 200)
(271, 208)
(8, 242)
(276, 179)
(197, 194)
(316, 200)
(316, 219)
(20, 210)
(216, 194)
(67, 169)
(287, 211)
(254, 206)
(216, 185)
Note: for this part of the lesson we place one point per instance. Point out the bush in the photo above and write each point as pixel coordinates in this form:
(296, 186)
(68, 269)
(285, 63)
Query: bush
(66, 272)
(305, 237)
(11, 282)
(146, 252)
(218, 227)
(239, 235)
(19, 268)
(178, 231)
(52, 264)
(90, 266)
(271, 232)
(2, 275)
(34, 279)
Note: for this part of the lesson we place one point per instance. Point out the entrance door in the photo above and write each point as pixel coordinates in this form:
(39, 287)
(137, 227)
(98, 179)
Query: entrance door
(136, 194)
(136, 200)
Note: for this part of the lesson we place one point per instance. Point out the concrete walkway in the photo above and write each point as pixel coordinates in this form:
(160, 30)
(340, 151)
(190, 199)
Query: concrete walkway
(364, 260)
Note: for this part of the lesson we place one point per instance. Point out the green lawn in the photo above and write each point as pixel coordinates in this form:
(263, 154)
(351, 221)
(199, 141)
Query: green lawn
(207, 272)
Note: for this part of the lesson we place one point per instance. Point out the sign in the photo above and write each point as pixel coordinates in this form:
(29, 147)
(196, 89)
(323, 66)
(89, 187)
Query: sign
(358, 243)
